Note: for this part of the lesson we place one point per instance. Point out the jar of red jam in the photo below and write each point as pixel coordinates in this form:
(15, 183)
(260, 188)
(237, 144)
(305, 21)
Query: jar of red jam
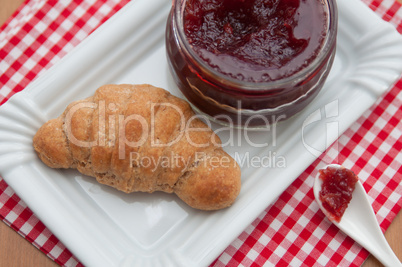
(251, 63)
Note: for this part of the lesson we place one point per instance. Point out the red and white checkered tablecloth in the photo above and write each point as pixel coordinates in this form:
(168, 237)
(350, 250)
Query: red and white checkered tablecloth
(290, 232)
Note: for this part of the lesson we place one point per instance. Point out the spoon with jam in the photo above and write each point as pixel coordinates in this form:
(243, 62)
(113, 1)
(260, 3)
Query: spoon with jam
(342, 198)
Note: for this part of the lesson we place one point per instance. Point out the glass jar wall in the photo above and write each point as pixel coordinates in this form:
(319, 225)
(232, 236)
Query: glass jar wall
(251, 63)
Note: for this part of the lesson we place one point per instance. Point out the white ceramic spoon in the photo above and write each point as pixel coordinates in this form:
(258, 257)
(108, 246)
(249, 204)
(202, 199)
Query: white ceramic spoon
(359, 222)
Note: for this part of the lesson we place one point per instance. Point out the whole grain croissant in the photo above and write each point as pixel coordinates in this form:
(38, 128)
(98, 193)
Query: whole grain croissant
(141, 138)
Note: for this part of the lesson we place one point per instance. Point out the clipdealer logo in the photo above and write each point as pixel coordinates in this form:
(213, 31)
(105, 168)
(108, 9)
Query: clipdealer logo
(325, 120)
(112, 132)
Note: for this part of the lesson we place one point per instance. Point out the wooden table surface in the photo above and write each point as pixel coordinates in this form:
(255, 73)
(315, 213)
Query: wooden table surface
(16, 251)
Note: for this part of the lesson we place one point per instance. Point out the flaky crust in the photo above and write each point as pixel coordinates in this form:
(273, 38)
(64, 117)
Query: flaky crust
(141, 138)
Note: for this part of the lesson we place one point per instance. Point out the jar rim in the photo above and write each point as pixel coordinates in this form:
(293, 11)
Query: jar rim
(258, 87)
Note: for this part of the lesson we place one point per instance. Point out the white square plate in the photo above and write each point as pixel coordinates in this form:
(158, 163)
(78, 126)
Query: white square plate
(104, 227)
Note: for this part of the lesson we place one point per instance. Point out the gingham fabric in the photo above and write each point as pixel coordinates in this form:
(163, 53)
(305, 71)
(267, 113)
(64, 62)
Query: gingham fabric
(290, 232)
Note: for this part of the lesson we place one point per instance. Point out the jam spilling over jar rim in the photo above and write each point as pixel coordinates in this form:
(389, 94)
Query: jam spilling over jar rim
(259, 87)
(338, 184)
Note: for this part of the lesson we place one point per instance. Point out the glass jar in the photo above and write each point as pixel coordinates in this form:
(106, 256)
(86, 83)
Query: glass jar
(243, 95)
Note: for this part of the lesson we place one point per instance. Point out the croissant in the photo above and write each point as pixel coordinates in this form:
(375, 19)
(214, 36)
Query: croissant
(141, 138)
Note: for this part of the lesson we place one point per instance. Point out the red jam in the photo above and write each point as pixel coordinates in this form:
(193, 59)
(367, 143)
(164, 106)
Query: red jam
(337, 188)
(251, 63)
(256, 40)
